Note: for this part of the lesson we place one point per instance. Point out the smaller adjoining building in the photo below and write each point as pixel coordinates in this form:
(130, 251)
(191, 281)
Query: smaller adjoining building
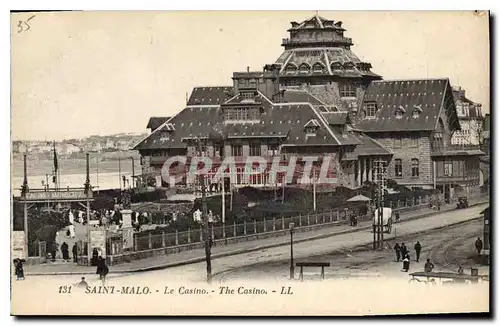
(470, 119)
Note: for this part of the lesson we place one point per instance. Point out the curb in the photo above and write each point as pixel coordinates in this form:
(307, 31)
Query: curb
(247, 250)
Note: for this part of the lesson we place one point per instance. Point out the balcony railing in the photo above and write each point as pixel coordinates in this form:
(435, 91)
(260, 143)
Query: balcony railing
(287, 41)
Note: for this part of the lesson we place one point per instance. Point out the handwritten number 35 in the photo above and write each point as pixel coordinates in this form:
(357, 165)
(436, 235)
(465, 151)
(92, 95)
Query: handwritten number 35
(23, 25)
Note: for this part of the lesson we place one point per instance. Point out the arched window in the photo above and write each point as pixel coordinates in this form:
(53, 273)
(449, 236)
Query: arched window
(305, 68)
(291, 67)
(399, 112)
(318, 67)
(336, 66)
(417, 109)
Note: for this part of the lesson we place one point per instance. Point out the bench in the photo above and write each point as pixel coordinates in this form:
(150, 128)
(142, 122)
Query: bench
(315, 264)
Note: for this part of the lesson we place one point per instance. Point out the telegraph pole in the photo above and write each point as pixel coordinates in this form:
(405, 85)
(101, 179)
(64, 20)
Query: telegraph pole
(205, 221)
(380, 169)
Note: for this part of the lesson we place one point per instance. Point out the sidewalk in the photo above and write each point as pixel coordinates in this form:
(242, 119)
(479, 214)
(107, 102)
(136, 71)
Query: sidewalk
(198, 255)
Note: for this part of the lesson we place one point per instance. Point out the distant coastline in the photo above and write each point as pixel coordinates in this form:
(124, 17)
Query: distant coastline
(102, 156)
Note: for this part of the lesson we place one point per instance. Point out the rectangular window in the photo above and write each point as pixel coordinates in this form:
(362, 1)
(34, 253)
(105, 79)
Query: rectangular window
(247, 95)
(414, 141)
(448, 169)
(398, 142)
(253, 82)
(398, 168)
(255, 149)
(347, 90)
(236, 150)
(414, 167)
(272, 149)
(371, 110)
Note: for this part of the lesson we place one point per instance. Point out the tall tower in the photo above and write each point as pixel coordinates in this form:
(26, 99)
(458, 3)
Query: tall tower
(318, 58)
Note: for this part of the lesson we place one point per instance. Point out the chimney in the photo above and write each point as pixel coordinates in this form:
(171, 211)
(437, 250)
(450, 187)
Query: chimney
(248, 68)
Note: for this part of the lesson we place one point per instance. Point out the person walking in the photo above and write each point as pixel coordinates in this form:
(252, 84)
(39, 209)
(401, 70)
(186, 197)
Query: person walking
(74, 250)
(404, 251)
(418, 249)
(479, 245)
(65, 251)
(397, 249)
(18, 263)
(428, 266)
(102, 269)
(397, 217)
(406, 263)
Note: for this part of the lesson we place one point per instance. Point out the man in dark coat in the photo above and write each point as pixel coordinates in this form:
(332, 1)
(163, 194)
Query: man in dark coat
(65, 251)
(53, 250)
(75, 253)
(418, 249)
(479, 245)
(404, 251)
(102, 269)
(397, 249)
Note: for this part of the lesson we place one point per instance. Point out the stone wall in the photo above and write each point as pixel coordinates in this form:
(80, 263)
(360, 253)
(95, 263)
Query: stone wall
(406, 153)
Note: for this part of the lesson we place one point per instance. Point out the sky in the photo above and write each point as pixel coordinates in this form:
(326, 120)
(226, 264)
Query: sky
(77, 74)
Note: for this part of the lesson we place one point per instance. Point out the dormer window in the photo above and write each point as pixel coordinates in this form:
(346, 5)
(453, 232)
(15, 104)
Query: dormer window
(371, 110)
(399, 112)
(349, 66)
(336, 66)
(417, 110)
(311, 127)
(170, 127)
(235, 115)
(291, 67)
(304, 68)
(318, 67)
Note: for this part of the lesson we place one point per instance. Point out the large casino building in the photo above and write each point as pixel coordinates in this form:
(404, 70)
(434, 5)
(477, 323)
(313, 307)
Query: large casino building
(319, 98)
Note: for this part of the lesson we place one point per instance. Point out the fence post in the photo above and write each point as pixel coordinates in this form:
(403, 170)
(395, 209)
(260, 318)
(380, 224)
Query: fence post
(150, 241)
(330, 216)
(213, 233)
(300, 219)
(274, 224)
(176, 237)
(245, 227)
(316, 218)
(234, 228)
(337, 216)
(308, 219)
(265, 225)
(162, 239)
(254, 226)
(201, 234)
(282, 222)
(189, 235)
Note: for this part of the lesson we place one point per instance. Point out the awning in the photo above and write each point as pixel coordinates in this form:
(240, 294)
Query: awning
(359, 198)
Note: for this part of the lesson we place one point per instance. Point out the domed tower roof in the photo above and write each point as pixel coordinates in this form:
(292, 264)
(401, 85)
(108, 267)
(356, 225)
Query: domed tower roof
(318, 47)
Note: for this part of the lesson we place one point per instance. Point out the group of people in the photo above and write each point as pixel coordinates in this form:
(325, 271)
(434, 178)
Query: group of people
(403, 253)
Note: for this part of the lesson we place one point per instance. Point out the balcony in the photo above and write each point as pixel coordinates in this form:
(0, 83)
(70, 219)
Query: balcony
(456, 150)
(342, 40)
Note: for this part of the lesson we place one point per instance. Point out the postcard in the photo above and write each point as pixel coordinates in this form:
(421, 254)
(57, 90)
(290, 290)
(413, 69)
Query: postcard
(250, 163)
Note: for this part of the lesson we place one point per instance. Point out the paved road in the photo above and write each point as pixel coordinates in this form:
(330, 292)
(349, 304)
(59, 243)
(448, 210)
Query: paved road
(197, 272)
(447, 250)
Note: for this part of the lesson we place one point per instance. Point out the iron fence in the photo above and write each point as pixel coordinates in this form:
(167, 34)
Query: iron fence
(219, 232)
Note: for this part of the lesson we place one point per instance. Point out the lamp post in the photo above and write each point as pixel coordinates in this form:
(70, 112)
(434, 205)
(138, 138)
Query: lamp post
(133, 172)
(292, 267)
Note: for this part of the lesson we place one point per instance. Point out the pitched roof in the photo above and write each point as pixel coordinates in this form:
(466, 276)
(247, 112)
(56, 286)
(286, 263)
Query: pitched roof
(368, 146)
(278, 120)
(155, 122)
(210, 95)
(300, 96)
(388, 95)
(335, 118)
